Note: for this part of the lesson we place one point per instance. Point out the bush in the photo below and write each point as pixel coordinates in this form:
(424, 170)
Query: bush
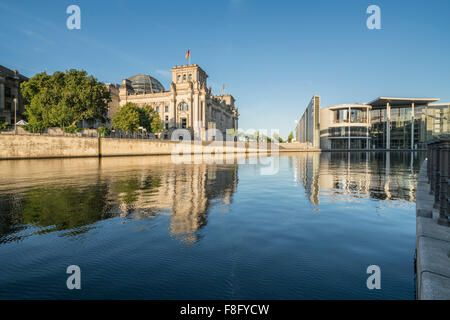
(3, 125)
(103, 131)
(71, 129)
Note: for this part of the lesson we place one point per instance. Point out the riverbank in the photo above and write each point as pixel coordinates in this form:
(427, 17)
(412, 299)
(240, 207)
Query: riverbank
(432, 245)
(39, 147)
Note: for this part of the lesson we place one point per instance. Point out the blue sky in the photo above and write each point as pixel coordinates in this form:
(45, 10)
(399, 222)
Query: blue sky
(271, 55)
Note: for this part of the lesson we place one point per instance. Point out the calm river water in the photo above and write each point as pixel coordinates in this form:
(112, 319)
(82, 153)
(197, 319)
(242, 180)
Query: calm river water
(142, 227)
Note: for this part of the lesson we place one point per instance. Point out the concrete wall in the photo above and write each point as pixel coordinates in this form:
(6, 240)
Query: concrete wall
(432, 245)
(40, 146)
(29, 146)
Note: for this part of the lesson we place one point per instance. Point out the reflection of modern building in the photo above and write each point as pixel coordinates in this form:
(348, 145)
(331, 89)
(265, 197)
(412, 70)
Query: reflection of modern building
(384, 176)
(9, 90)
(188, 104)
(384, 123)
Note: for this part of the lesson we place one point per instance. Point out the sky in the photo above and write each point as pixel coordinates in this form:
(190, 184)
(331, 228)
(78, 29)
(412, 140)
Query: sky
(272, 56)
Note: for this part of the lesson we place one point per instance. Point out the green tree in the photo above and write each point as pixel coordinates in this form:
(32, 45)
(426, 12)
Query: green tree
(277, 137)
(63, 99)
(128, 118)
(290, 137)
(150, 119)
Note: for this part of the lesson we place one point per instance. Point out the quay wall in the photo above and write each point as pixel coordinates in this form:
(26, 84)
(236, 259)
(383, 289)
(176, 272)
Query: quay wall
(34, 146)
(45, 146)
(432, 245)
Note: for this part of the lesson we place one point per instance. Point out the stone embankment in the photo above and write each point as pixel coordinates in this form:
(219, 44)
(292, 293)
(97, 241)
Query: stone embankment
(48, 146)
(433, 245)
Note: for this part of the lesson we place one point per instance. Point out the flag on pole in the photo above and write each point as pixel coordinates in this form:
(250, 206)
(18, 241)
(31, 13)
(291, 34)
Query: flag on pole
(188, 54)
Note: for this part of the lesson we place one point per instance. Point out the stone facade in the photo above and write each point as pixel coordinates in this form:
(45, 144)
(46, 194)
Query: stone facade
(10, 94)
(189, 104)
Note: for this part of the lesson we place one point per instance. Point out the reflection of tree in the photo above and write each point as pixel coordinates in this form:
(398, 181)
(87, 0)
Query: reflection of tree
(127, 190)
(10, 217)
(62, 208)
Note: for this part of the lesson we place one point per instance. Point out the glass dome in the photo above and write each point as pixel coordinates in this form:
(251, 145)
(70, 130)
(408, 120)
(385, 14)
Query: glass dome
(143, 83)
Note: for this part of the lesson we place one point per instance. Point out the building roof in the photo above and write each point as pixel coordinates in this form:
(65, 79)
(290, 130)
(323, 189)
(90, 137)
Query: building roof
(346, 105)
(396, 101)
(11, 74)
(143, 83)
(440, 104)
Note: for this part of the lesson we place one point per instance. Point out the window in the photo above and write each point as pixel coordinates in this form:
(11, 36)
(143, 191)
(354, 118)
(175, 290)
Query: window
(166, 109)
(178, 78)
(166, 125)
(190, 77)
(184, 77)
(183, 106)
(183, 123)
(157, 109)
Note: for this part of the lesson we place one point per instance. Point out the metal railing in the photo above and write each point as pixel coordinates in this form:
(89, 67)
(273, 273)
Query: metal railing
(90, 134)
(438, 172)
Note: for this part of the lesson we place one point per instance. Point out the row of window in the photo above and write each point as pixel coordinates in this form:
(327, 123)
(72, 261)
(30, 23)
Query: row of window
(166, 109)
(184, 77)
(354, 116)
(181, 107)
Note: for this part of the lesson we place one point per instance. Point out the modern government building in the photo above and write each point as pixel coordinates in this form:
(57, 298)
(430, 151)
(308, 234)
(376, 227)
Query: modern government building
(189, 104)
(382, 124)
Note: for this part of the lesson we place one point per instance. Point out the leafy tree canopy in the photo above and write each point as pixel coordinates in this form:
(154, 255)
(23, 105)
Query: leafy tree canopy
(127, 118)
(63, 99)
(130, 117)
(290, 137)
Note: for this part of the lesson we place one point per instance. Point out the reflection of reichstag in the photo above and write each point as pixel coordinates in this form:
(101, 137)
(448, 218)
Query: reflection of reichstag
(383, 176)
(133, 188)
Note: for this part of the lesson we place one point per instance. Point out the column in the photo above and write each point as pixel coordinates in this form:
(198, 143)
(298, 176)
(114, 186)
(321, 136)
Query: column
(368, 115)
(412, 125)
(349, 126)
(388, 126)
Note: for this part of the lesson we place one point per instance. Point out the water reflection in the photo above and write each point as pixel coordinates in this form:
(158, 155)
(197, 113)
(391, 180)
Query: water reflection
(133, 188)
(377, 175)
(70, 196)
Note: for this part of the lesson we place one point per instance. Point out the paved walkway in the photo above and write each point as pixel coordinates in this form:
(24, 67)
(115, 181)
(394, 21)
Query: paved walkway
(433, 246)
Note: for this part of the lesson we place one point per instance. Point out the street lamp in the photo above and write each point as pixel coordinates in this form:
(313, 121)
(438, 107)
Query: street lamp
(15, 115)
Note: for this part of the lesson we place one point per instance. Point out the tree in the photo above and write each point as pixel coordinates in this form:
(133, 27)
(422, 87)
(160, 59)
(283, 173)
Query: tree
(277, 137)
(63, 99)
(150, 119)
(290, 137)
(128, 118)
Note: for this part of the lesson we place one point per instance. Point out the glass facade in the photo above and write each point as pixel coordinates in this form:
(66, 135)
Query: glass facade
(143, 83)
(352, 116)
(430, 122)
(435, 121)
